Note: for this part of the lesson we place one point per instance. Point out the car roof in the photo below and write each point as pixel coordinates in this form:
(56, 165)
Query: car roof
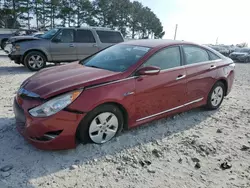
(152, 43)
(94, 28)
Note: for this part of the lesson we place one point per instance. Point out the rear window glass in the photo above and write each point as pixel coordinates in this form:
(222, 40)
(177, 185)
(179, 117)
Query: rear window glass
(84, 36)
(110, 36)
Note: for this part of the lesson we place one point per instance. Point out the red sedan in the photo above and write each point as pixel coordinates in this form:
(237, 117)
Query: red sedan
(121, 87)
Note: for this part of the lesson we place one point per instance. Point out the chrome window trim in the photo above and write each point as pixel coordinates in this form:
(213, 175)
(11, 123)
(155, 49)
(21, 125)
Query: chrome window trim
(169, 110)
(202, 63)
(108, 83)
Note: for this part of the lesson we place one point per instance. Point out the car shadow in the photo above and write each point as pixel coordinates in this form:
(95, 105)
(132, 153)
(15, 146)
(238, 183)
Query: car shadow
(32, 163)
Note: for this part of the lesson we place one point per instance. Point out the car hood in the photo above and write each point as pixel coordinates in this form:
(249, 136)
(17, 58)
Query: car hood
(53, 81)
(22, 38)
(239, 53)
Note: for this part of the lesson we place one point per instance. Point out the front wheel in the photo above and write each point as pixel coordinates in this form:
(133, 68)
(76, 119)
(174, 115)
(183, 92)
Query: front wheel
(35, 61)
(101, 124)
(216, 96)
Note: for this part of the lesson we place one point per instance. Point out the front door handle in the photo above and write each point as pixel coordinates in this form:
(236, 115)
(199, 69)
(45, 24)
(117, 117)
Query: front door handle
(212, 67)
(180, 77)
(71, 45)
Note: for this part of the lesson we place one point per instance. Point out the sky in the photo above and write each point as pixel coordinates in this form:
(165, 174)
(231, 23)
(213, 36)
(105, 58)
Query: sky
(202, 21)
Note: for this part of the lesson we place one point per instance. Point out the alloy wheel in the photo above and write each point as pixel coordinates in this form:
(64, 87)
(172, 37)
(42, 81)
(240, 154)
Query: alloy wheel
(103, 127)
(217, 96)
(36, 61)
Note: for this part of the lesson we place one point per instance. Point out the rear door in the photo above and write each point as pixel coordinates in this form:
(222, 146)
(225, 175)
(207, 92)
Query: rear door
(201, 71)
(159, 94)
(85, 43)
(63, 47)
(108, 38)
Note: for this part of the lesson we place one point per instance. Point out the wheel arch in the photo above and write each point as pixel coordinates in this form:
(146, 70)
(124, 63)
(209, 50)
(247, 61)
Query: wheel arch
(35, 50)
(224, 81)
(4, 39)
(123, 110)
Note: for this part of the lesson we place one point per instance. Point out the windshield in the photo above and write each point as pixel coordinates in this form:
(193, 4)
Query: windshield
(49, 34)
(117, 58)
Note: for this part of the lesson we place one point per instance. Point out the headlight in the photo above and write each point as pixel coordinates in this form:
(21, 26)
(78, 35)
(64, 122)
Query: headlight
(15, 47)
(55, 105)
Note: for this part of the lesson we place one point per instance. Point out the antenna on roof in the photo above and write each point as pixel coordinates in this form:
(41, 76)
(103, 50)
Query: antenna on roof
(175, 33)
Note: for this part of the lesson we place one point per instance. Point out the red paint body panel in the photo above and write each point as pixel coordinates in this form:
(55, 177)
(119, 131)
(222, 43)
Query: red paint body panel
(144, 98)
(200, 80)
(157, 93)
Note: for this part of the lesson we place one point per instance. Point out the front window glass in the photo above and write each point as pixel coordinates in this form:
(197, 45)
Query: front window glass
(166, 58)
(65, 36)
(117, 58)
(49, 34)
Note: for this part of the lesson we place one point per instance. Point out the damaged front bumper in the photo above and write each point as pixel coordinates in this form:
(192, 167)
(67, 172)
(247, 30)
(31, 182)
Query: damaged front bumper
(57, 132)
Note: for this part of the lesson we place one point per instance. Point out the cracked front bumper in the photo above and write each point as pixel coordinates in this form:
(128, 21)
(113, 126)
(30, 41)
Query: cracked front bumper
(57, 132)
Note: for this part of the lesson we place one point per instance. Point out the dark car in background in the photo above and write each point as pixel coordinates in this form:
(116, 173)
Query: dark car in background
(61, 45)
(222, 49)
(241, 55)
(20, 32)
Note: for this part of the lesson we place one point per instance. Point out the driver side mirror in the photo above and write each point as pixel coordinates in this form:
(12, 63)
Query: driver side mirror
(149, 70)
(55, 40)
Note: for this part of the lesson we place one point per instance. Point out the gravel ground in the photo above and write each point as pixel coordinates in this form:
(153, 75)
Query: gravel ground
(184, 151)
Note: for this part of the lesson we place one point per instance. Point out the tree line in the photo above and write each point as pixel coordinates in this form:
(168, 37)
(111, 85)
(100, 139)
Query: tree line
(131, 18)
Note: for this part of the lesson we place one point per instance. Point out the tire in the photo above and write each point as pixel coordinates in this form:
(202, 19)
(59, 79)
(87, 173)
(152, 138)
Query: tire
(35, 61)
(3, 43)
(101, 124)
(216, 96)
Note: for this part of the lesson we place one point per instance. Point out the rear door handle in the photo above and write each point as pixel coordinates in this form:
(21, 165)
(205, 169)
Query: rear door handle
(180, 77)
(71, 45)
(94, 45)
(212, 67)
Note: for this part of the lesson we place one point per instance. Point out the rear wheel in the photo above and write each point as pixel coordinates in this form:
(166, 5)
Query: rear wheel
(216, 96)
(35, 61)
(101, 124)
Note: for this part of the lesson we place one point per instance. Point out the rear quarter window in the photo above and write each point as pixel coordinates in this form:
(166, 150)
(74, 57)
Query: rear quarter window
(110, 36)
(213, 56)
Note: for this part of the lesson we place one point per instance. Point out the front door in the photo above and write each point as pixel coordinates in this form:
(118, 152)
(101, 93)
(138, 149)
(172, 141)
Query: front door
(159, 94)
(63, 47)
(86, 44)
